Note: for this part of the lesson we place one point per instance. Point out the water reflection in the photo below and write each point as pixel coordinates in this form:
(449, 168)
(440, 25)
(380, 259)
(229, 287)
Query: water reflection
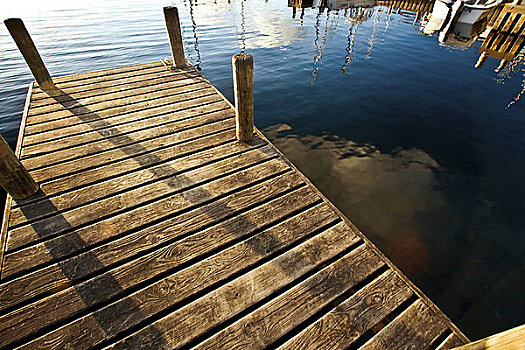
(499, 28)
(377, 188)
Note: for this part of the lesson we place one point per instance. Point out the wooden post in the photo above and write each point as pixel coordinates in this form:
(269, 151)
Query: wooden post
(27, 47)
(14, 178)
(171, 16)
(243, 90)
(482, 58)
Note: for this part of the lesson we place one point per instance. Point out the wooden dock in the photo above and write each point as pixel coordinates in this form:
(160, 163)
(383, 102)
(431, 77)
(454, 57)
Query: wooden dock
(155, 228)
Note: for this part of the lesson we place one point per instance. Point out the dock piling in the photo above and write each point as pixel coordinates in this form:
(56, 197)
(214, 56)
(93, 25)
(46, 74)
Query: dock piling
(171, 16)
(14, 178)
(243, 90)
(27, 47)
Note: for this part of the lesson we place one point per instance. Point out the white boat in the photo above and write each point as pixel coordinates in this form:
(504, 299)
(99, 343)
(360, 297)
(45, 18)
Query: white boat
(463, 19)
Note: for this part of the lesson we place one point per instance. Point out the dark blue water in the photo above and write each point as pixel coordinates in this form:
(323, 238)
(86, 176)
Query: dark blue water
(411, 142)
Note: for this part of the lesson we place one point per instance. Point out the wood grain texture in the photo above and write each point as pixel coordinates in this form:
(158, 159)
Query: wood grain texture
(171, 17)
(155, 228)
(159, 295)
(243, 91)
(14, 178)
(204, 104)
(181, 130)
(415, 328)
(69, 301)
(450, 342)
(181, 326)
(180, 120)
(64, 101)
(142, 100)
(94, 88)
(144, 175)
(99, 90)
(64, 182)
(112, 77)
(342, 326)
(60, 275)
(106, 208)
(26, 235)
(512, 339)
(266, 325)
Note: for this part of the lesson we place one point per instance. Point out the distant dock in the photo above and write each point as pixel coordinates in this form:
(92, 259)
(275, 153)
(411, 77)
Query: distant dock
(154, 227)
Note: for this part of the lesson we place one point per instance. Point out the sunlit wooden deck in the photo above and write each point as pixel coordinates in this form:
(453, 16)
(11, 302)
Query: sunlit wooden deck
(156, 229)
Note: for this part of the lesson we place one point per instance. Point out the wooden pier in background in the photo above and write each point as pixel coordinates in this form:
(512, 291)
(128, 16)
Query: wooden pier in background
(155, 228)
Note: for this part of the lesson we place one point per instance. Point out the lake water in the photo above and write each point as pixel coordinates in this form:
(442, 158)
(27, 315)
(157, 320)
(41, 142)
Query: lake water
(424, 153)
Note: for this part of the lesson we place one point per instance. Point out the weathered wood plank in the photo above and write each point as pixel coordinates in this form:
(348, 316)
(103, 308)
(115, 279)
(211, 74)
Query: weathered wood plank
(119, 84)
(179, 120)
(64, 101)
(73, 126)
(122, 105)
(153, 116)
(97, 211)
(61, 182)
(342, 326)
(266, 325)
(69, 200)
(450, 342)
(98, 90)
(90, 169)
(179, 197)
(59, 276)
(156, 117)
(417, 327)
(107, 72)
(131, 143)
(70, 301)
(512, 339)
(109, 78)
(193, 320)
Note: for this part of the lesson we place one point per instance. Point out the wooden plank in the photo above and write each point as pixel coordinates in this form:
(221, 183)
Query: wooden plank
(9, 200)
(518, 28)
(105, 171)
(96, 211)
(193, 320)
(184, 119)
(101, 120)
(131, 143)
(144, 97)
(273, 320)
(450, 342)
(149, 118)
(72, 126)
(98, 191)
(350, 320)
(108, 71)
(92, 89)
(417, 327)
(59, 276)
(88, 169)
(506, 28)
(70, 301)
(179, 198)
(63, 101)
(512, 339)
(110, 78)
(100, 89)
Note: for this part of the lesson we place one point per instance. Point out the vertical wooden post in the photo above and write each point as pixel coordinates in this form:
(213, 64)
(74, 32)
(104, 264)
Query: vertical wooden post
(482, 58)
(243, 90)
(27, 47)
(14, 178)
(171, 16)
